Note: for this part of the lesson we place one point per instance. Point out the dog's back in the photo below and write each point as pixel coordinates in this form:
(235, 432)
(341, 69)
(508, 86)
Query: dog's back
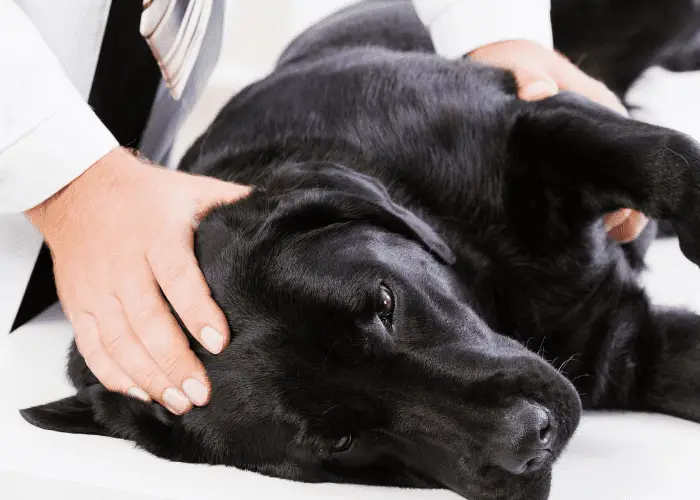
(363, 87)
(390, 24)
(594, 34)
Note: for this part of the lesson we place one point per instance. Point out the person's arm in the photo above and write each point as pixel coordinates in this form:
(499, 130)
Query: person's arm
(48, 134)
(61, 167)
(457, 27)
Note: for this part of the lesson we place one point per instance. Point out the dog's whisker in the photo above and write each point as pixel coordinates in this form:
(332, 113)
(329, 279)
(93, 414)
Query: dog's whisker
(541, 351)
(561, 368)
(584, 375)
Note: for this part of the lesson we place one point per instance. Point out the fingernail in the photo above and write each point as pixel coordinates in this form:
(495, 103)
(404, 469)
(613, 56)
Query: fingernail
(175, 401)
(212, 340)
(196, 391)
(138, 393)
(538, 90)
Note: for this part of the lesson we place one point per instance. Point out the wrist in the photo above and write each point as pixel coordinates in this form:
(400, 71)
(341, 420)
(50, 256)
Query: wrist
(48, 215)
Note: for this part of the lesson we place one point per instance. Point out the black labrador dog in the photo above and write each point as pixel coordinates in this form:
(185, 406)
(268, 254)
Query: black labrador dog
(420, 288)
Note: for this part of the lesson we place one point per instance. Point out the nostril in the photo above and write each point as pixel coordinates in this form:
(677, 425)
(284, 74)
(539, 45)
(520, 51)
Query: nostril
(526, 438)
(546, 432)
(536, 424)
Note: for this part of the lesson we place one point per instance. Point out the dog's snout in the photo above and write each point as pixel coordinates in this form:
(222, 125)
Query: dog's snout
(525, 440)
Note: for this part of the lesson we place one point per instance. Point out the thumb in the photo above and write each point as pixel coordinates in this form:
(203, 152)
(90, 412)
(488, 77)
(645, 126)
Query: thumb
(217, 191)
(213, 192)
(572, 78)
(533, 86)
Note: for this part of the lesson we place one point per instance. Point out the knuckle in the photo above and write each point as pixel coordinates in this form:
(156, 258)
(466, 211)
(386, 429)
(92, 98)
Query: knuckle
(161, 339)
(176, 273)
(170, 363)
(149, 310)
(114, 344)
(147, 382)
(189, 311)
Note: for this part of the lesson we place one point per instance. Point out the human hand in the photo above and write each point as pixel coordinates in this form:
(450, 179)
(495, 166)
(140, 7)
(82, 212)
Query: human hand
(119, 234)
(540, 73)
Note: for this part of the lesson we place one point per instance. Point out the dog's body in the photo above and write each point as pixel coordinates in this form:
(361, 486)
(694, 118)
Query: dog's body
(387, 175)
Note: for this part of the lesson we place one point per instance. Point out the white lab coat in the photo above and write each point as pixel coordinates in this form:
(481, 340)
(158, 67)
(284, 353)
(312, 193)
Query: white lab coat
(48, 55)
(49, 50)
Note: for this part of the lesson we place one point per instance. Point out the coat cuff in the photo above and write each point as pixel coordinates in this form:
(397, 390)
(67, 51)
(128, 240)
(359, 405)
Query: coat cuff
(465, 25)
(57, 151)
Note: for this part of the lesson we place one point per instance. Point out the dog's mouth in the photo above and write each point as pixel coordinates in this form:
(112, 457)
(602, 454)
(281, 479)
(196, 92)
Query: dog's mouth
(524, 478)
(538, 462)
(496, 484)
(525, 473)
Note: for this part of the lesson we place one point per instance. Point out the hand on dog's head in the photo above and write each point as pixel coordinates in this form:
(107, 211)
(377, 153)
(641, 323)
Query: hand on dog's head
(355, 355)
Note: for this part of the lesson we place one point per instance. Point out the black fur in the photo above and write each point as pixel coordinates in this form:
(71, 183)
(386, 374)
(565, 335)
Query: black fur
(378, 164)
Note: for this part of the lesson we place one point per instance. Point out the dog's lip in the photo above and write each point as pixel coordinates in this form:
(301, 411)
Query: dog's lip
(538, 462)
(543, 456)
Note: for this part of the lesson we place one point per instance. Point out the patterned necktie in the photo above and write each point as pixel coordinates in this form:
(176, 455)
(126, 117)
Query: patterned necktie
(174, 30)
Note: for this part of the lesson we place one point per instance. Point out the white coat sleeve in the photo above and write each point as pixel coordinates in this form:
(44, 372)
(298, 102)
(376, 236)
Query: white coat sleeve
(48, 134)
(459, 26)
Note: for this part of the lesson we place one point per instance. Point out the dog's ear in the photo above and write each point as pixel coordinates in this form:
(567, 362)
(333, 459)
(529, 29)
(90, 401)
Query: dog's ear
(73, 415)
(591, 161)
(576, 148)
(95, 410)
(334, 193)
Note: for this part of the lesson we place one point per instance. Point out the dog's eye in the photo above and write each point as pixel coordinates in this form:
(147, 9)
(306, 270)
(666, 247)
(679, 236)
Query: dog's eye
(385, 305)
(342, 444)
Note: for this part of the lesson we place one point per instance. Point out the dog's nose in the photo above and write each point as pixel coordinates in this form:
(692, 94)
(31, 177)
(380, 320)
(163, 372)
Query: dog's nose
(525, 439)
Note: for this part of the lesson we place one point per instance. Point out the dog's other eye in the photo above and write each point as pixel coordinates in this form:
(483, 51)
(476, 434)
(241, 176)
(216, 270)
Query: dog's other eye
(385, 305)
(342, 444)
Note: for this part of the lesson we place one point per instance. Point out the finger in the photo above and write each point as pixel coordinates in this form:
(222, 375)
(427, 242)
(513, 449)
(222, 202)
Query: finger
(127, 351)
(98, 361)
(178, 274)
(216, 192)
(166, 343)
(630, 229)
(534, 86)
(616, 218)
(570, 77)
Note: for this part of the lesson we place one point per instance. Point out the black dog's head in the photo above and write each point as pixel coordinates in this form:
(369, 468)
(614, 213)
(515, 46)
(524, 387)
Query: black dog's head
(356, 356)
